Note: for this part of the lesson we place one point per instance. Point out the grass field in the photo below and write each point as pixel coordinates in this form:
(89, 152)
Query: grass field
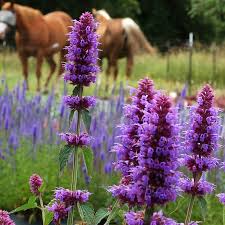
(169, 73)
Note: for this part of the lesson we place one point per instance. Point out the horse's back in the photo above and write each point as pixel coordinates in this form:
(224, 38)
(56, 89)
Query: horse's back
(113, 38)
(59, 24)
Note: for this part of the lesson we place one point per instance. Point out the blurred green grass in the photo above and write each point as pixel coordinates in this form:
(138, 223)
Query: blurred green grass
(155, 67)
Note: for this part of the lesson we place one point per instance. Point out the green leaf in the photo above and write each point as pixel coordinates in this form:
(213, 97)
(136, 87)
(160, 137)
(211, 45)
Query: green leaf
(64, 156)
(42, 188)
(86, 118)
(29, 205)
(203, 206)
(113, 213)
(48, 217)
(100, 215)
(88, 159)
(86, 213)
(71, 116)
(76, 91)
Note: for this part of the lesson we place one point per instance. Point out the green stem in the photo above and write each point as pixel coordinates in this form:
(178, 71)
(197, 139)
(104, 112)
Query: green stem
(189, 210)
(148, 214)
(223, 215)
(75, 162)
(42, 209)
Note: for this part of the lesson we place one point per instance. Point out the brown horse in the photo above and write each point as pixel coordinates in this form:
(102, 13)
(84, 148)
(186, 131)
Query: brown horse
(40, 36)
(119, 38)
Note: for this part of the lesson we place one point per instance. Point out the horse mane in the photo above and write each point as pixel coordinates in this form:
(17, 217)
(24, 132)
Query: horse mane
(103, 13)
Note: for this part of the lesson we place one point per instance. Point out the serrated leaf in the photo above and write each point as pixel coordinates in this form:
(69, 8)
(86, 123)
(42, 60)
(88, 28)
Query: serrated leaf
(86, 118)
(87, 213)
(76, 91)
(29, 205)
(88, 159)
(113, 213)
(48, 217)
(71, 116)
(203, 206)
(64, 155)
(100, 215)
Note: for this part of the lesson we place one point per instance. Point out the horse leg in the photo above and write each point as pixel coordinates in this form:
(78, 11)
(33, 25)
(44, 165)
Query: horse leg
(38, 69)
(130, 63)
(52, 66)
(24, 61)
(62, 59)
(108, 70)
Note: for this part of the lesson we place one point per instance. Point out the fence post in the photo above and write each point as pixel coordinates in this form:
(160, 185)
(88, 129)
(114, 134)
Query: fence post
(167, 59)
(214, 63)
(190, 63)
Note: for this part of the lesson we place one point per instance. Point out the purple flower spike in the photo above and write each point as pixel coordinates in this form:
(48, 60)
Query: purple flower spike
(201, 142)
(35, 183)
(60, 211)
(81, 66)
(221, 197)
(5, 219)
(134, 218)
(158, 158)
(127, 151)
(78, 103)
(76, 140)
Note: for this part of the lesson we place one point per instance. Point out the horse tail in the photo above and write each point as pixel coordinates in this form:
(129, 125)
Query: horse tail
(136, 37)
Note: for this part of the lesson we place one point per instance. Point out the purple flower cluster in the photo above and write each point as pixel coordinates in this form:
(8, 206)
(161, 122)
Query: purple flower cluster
(128, 150)
(70, 198)
(60, 211)
(134, 218)
(81, 66)
(5, 219)
(159, 219)
(221, 198)
(157, 173)
(35, 183)
(78, 103)
(65, 199)
(201, 142)
(80, 140)
(200, 188)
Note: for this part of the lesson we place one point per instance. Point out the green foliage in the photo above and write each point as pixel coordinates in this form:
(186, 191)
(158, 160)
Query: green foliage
(203, 206)
(88, 157)
(64, 155)
(213, 12)
(48, 217)
(89, 216)
(29, 205)
(86, 119)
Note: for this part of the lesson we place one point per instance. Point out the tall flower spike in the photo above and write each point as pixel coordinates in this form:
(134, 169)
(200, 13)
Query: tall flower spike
(35, 183)
(81, 66)
(158, 158)
(128, 150)
(202, 139)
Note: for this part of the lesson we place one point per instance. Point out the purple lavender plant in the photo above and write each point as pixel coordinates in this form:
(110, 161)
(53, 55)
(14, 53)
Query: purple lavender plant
(201, 142)
(128, 150)
(80, 70)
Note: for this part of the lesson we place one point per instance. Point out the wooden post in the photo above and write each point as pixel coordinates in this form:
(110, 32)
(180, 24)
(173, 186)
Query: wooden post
(168, 59)
(213, 63)
(189, 79)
